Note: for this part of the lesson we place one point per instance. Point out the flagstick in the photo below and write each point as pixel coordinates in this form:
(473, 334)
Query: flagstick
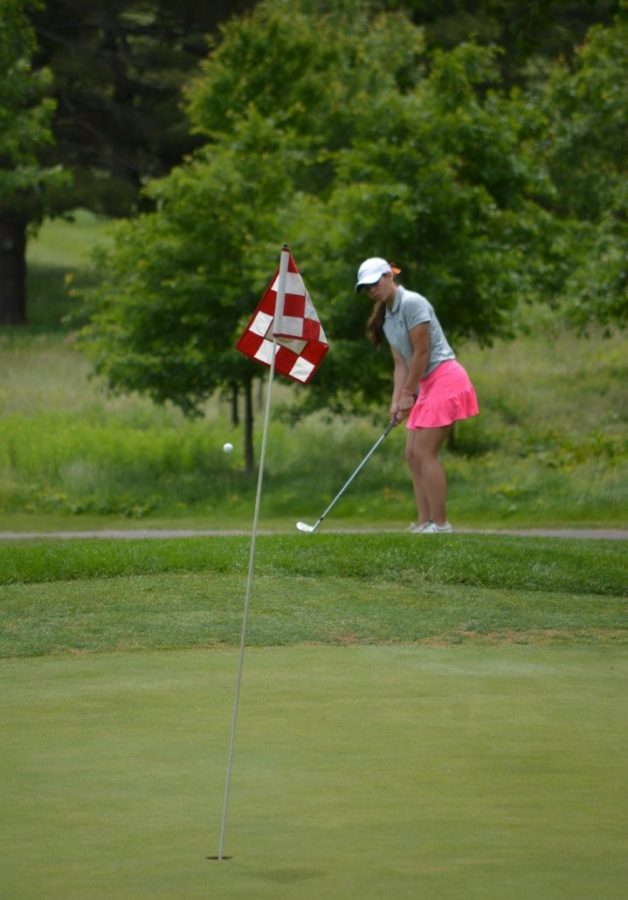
(281, 290)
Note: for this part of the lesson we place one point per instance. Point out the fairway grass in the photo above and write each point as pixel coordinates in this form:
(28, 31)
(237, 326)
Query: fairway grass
(427, 773)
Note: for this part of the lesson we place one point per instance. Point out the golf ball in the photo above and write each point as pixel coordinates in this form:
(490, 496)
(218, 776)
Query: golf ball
(227, 447)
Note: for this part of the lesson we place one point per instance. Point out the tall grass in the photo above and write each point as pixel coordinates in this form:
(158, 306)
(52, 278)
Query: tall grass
(539, 452)
(548, 448)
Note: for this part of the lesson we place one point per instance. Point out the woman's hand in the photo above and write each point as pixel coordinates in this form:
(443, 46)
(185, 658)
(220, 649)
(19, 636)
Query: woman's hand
(405, 403)
(400, 408)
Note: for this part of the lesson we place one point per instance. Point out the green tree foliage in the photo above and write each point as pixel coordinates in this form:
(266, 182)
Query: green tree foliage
(178, 285)
(119, 67)
(25, 117)
(524, 29)
(439, 179)
(215, 239)
(114, 71)
(369, 138)
(330, 127)
(584, 141)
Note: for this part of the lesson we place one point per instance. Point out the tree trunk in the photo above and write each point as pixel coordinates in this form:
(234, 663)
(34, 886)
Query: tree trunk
(12, 271)
(249, 453)
(235, 406)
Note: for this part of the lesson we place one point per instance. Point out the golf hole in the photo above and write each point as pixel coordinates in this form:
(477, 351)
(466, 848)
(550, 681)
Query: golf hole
(219, 858)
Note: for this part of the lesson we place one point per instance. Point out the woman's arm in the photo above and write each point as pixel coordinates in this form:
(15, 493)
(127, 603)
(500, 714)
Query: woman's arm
(420, 340)
(399, 378)
(408, 386)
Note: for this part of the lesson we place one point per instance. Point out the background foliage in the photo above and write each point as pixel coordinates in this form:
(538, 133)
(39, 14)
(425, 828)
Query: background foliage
(484, 157)
(25, 129)
(376, 146)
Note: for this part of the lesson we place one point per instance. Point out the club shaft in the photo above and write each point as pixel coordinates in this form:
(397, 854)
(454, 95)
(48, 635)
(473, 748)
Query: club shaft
(389, 428)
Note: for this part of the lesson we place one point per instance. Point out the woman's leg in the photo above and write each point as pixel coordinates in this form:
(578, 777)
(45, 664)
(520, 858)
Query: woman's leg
(420, 497)
(428, 475)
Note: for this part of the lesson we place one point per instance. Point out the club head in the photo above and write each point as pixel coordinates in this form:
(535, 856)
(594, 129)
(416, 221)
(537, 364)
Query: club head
(303, 526)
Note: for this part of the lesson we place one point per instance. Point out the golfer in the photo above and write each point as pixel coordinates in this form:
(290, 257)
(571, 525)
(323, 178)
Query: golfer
(430, 388)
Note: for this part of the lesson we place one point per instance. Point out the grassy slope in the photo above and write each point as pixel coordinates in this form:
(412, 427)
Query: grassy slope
(109, 595)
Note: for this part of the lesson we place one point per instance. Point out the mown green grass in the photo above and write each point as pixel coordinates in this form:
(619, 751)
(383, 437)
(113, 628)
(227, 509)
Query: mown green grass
(420, 718)
(95, 596)
(181, 611)
(493, 561)
(66, 242)
(466, 773)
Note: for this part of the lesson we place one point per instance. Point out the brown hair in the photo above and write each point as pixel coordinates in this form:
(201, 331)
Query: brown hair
(375, 324)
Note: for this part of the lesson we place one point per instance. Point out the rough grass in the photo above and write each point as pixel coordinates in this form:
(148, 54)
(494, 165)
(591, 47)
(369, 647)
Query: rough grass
(67, 449)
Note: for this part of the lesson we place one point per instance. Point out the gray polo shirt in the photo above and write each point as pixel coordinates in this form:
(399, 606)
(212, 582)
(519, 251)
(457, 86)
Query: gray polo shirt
(410, 309)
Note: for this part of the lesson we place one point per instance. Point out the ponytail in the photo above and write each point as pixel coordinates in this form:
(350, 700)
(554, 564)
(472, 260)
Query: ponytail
(375, 324)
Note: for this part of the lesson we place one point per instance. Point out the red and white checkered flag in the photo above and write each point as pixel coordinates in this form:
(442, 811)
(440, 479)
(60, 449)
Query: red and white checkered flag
(301, 341)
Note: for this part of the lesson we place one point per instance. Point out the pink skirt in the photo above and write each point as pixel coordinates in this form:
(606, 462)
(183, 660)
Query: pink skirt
(445, 396)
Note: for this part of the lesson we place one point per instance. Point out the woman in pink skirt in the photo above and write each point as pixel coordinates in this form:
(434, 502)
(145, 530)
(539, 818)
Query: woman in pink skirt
(430, 388)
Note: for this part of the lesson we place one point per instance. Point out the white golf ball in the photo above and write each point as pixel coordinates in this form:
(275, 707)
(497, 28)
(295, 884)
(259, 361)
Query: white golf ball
(228, 448)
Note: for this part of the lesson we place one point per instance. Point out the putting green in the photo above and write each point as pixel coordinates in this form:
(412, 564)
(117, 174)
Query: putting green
(360, 772)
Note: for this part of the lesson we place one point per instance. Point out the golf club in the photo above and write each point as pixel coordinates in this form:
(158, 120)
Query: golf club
(308, 529)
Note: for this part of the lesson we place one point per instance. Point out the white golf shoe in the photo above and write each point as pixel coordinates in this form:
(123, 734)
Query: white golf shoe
(433, 528)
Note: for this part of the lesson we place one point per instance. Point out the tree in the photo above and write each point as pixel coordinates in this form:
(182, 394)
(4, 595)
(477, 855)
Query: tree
(582, 138)
(524, 29)
(112, 71)
(25, 183)
(441, 180)
(119, 67)
(178, 285)
(318, 155)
